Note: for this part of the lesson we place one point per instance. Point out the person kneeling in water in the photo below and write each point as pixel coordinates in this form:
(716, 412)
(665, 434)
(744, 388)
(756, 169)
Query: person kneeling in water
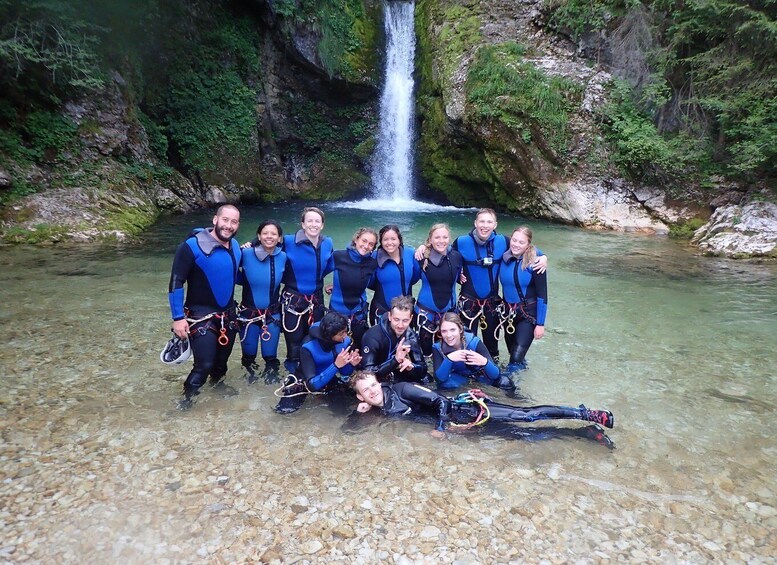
(466, 410)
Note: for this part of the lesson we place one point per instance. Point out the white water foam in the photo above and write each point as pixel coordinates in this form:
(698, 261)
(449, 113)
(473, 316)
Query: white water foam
(396, 205)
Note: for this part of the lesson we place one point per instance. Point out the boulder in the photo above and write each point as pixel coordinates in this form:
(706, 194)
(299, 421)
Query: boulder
(740, 231)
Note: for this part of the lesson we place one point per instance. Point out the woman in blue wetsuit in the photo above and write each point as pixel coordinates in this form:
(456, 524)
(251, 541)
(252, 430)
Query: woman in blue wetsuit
(396, 271)
(353, 270)
(440, 271)
(460, 356)
(525, 293)
(308, 261)
(259, 311)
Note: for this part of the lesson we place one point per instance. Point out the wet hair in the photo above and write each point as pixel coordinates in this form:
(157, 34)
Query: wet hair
(311, 209)
(360, 376)
(223, 206)
(454, 318)
(266, 223)
(531, 252)
(485, 211)
(388, 228)
(405, 303)
(332, 324)
(428, 241)
(360, 232)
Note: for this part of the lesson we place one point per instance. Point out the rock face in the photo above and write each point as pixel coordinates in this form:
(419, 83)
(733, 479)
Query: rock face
(478, 160)
(740, 231)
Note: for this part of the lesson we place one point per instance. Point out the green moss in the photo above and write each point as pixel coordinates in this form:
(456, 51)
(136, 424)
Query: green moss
(685, 229)
(501, 86)
(40, 233)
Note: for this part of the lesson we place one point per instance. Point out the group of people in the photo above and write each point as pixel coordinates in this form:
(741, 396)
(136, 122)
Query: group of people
(352, 343)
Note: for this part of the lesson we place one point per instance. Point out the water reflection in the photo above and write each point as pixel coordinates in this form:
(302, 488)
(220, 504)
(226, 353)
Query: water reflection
(100, 467)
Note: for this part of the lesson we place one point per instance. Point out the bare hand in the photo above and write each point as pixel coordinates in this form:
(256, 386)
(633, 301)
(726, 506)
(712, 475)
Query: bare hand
(420, 251)
(539, 331)
(405, 365)
(247, 244)
(540, 264)
(328, 288)
(363, 407)
(475, 358)
(401, 352)
(343, 358)
(462, 278)
(458, 355)
(181, 328)
(355, 358)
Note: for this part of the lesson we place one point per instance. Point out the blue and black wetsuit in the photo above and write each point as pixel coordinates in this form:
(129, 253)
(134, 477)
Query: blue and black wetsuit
(379, 346)
(453, 374)
(209, 270)
(439, 276)
(392, 280)
(259, 312)
(302, 299)
(479, 299)
(352, 274)
(411, 400)
(526, 305)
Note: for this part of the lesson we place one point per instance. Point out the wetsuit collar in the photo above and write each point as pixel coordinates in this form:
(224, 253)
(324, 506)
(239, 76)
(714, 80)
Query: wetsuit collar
(300, 237)
(436, 258)
(381, 256)
(355, 255)
(262, 254)
(479, 241)
(207, 242)
(508, 256)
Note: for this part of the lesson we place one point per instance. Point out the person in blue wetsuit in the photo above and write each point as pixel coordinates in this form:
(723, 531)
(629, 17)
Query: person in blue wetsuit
(308, 261)
(390, 349)
(440, 270)
(325, 354)
(396, 271)
(460, 357)
(525, 298)
(481, 250)
(353, 270)
(259, 312)
(207, 264)
(463, 411)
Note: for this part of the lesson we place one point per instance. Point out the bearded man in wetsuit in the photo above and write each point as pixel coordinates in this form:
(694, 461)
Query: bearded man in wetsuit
(402, 399)
(207, 263)
(390, 349)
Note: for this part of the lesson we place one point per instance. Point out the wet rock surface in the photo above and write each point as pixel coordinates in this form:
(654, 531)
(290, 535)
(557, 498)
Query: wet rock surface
(735, 230)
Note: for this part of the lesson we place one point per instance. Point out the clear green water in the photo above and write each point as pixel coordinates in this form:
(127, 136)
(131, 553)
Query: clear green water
(681, 348)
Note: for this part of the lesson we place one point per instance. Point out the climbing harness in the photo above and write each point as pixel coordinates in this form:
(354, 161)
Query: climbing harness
(477, 397)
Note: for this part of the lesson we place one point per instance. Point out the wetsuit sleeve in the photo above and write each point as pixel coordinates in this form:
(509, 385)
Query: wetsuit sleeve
(541, 286)
(370, 361)
(491, 370)
(417, 357)
(414, 394)
(442, 366)
(182, 266)
(316, 381)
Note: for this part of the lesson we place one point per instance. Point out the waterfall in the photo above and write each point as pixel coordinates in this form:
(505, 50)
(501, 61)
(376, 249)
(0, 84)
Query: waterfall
(392, 177)
(392, 163)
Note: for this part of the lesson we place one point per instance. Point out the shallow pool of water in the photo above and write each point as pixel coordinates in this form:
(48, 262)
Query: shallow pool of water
(99, 467)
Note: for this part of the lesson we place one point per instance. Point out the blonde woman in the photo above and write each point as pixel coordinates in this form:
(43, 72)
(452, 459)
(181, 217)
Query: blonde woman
(525, 292)
(440, 271)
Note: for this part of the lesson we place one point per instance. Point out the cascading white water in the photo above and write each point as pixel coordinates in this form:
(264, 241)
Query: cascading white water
(392, 163)
(393, 160)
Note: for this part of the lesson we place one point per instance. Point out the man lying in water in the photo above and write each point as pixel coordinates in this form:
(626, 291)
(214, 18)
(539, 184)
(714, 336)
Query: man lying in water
(464, 411)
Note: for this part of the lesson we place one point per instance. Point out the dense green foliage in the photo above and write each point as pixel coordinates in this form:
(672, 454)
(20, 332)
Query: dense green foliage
(703, 75)
(348, 46)
(501, 86)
